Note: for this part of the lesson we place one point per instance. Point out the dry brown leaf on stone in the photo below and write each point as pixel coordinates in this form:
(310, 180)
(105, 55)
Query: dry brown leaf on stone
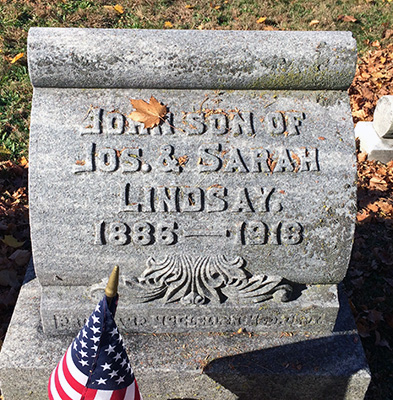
(150, 114)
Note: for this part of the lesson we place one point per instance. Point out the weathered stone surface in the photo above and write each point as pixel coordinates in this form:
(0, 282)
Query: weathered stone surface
(260, 200)
(383, 117)
(315, 309)
(202, 366)
(249, 204)
(100, 58)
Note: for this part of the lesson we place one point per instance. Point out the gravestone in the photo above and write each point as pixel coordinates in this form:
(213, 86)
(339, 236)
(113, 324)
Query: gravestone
(232, 220)
(376, 137)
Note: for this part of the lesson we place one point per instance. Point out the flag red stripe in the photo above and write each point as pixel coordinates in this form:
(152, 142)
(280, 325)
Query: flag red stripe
(90, 394)
(70, 379)
(118, 394)
(59, 388)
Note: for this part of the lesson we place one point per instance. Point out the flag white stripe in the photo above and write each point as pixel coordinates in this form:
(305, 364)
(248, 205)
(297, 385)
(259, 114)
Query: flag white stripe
(74, 371)
(103, 395)
(53, 390)
(130, 393)
(68, 389)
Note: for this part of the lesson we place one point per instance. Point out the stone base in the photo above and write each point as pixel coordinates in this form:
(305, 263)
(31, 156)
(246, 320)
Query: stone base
(314, 309)
(204, 366)
(376, 148)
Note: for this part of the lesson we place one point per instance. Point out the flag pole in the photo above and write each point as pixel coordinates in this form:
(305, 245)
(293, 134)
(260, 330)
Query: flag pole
(113, 283)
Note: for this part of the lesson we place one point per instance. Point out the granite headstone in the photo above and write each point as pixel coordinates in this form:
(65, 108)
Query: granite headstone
(376, 137)
(232, 220)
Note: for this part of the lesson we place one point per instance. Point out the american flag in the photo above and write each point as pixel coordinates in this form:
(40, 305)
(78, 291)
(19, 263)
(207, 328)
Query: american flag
(95, 366)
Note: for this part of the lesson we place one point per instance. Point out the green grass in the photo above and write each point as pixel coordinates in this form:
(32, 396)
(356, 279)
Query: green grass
(17, 16)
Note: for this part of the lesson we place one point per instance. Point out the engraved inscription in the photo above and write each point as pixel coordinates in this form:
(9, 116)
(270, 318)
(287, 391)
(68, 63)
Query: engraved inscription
(166, 160)
(213, 157)
(111, 160)
(258, 232)
(231, 322)
(250, 233)
(182, 176)
(277, 123)
(215, 198)
(63, 322)
(141, 233)
(92, 123)
(213, 123)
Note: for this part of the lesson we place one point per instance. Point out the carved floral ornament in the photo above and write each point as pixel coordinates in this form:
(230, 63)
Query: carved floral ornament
(202, 280)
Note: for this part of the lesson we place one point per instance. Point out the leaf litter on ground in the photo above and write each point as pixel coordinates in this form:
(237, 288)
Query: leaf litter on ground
(15, 248)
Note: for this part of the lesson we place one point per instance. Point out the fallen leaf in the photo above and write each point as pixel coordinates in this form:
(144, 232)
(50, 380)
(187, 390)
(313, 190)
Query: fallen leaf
(373, 207)
(261, 20)
(314, 22)
(119, 8)
(168, 24)
(389, 319)
(5, 154)
(379, 341)
(17, 57)
(377, 180)
(189, 6)
(149, 114)
(362, 216)
(8, 277)
(363, 328)
(365, 75)
(362, 157)
(23, 162)
(385, 207)
(12, 242)
(359, 113)
(385, 256)
(388, 33)
(375, 43)
(20, 257)
(346, 18)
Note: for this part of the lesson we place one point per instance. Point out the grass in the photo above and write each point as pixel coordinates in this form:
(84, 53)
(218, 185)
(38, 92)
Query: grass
(373, 19)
